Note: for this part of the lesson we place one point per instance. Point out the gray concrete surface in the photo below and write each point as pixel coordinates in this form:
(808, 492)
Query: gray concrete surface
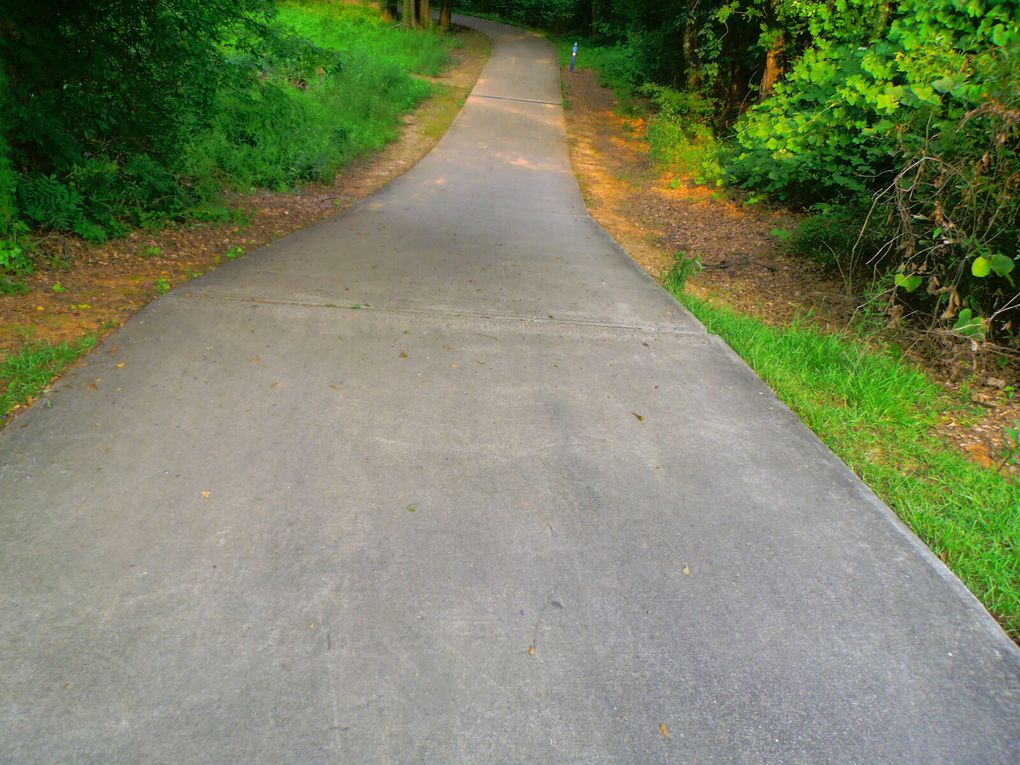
(293, 530)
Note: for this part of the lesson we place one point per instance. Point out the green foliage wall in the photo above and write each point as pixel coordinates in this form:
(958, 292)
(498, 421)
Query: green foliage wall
(102, 97)
(917, 105)
(122, 113)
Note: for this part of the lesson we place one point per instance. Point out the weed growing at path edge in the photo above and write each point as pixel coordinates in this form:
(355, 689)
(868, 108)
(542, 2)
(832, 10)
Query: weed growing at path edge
(24, 375)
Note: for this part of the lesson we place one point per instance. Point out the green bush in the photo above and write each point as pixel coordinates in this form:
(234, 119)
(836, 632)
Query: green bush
(955, 204)
(680, 137)
(919, 107)
(100, 84)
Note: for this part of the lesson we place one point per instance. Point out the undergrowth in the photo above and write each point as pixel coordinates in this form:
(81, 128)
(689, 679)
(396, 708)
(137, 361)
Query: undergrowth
(878, 414)
(333, 90)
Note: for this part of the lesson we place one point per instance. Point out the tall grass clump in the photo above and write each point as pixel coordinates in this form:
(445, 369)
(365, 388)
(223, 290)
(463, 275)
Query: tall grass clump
(27, 373)
(680, 134)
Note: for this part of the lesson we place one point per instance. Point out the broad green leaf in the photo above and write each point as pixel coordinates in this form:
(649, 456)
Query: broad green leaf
(981, 267)
(1001, 264)
(908, 283)
(945, 84)
(1003, 35)
(970, 325)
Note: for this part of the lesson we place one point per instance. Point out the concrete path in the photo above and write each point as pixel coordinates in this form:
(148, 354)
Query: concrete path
(448, 479)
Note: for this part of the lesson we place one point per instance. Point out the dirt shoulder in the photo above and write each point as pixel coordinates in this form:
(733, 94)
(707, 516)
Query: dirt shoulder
(653, 218)
(97, 288)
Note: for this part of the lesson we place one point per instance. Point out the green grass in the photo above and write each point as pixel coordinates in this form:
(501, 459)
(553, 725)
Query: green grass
(300, 122)
(24, 375)
(357, 31)
(877, 413)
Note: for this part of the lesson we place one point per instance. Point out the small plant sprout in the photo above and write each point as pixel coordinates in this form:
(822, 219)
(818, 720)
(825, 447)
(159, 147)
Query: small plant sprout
(684, 267)
(235, 252)
(971, 326)
(1012, 439)
(58, 288)
(162, 285)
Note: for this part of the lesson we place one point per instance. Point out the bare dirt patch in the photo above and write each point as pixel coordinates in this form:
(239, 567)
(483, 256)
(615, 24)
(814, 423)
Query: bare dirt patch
(96, 288)
(654, 217)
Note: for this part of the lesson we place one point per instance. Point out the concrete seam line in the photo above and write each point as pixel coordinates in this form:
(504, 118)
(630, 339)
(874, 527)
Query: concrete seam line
(521, 100)
(438, 316)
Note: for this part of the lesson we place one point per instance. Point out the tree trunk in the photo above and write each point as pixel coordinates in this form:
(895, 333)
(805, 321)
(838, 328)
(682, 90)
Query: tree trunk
(446, 15)
(408, 22)
(689, 42)
(388, 9)
(424, 14)
(773, 68)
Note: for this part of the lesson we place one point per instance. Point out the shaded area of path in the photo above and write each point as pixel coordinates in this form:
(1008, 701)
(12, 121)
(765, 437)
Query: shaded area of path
(448, 479)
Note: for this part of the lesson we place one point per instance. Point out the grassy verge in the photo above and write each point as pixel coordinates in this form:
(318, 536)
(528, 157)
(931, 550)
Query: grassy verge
(878, 413)
(26, 374)
(298, 122)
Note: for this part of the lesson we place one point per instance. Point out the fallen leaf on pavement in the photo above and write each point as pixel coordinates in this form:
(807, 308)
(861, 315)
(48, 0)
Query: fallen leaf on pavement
(205, 495)
(686, 571)
(640, 417)
(531, 648)
(664, 730)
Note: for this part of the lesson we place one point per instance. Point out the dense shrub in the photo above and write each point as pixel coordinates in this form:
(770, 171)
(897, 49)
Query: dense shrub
(920, 108)
(328, 86)
(680, 135)
(93, 86)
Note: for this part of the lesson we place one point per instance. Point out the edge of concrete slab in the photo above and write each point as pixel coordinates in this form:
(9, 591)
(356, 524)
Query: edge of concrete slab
(968, 599)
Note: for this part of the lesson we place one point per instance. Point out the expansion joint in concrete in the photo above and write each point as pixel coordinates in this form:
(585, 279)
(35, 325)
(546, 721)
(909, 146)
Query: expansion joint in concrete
(505, 323)
(520, 100)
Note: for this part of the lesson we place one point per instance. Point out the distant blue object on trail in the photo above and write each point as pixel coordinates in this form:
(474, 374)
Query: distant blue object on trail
(573, 58)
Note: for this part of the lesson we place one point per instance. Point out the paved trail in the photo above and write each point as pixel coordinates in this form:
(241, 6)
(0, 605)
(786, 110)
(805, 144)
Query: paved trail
(420, 484)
